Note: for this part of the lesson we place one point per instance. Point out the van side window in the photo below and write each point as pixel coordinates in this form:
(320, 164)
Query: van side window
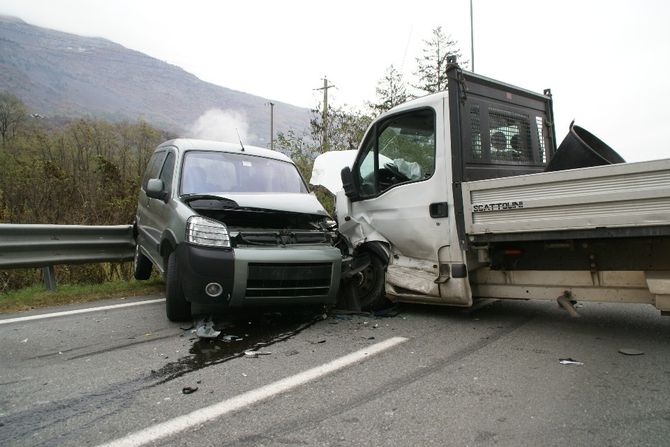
(400, 149)
(154, 165)
(167, 172)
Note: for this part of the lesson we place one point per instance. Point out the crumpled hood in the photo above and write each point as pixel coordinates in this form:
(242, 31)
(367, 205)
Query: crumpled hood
(288, 202)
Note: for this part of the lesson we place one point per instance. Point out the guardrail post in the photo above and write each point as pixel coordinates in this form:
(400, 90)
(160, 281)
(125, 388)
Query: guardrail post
(49, 276)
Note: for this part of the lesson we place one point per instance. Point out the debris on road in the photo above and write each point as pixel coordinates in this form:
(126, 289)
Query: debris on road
(318, 342)
(205, 329)
(229, 338)
(254, 354)
(189, 389)
(630, 351)
(570, 361)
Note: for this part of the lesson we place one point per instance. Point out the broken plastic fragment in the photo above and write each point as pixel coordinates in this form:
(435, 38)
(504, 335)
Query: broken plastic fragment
(189, 389)
(630, 351)
(254, 354)
(229, 338)
(570, 361)
(205, 329)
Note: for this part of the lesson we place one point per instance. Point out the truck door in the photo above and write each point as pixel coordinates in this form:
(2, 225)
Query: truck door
(402, 182)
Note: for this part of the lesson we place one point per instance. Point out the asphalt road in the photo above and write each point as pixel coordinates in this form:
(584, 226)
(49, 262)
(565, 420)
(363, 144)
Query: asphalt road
(440, 377)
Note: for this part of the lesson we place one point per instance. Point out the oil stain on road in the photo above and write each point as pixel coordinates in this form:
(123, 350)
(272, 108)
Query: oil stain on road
(240, 333)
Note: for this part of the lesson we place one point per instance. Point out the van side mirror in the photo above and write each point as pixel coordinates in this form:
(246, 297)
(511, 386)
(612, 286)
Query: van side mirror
(155, 189)
(349, 185)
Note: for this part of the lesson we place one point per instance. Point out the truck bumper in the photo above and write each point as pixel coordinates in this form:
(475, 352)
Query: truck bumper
(260, 276)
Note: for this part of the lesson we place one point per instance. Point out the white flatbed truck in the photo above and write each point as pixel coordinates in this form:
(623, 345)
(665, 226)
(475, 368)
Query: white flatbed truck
(448, 199)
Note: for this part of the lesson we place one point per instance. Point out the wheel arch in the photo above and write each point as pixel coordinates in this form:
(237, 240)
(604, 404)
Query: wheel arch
(380, 249)
(168, 245)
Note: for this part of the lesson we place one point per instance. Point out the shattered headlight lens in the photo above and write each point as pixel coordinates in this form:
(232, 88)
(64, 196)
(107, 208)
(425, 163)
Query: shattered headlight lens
(208, 232)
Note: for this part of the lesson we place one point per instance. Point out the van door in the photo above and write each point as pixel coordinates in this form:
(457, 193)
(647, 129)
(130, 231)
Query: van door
(152, 213)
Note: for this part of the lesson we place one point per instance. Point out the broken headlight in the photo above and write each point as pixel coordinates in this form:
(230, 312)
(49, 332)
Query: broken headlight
(203, 231)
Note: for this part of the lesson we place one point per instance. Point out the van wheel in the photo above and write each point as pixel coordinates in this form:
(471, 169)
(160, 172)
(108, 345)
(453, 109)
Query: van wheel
(369, 285)
(176, 306)
(141, 265)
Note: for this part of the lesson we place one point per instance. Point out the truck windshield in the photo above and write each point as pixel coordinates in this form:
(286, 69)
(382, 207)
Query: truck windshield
(204, 172)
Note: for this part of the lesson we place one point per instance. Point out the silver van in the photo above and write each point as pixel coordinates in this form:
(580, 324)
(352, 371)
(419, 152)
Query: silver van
(230, 225)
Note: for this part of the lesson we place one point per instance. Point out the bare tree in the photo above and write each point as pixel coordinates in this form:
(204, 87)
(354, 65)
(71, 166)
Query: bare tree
(12, 114)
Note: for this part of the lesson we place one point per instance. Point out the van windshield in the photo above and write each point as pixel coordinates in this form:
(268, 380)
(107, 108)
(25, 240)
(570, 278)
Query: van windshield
(211, 172)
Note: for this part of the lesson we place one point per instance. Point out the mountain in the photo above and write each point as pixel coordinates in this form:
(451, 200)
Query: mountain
(56, 73)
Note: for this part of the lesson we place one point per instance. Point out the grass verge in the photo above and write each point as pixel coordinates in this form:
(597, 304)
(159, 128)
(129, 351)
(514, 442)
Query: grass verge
(36, 296)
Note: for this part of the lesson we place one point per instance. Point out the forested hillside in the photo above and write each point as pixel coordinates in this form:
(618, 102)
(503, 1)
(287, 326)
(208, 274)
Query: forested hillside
(61, 74)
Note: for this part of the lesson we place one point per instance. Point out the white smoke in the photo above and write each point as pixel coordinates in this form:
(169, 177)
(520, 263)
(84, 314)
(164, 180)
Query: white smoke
(221, 125)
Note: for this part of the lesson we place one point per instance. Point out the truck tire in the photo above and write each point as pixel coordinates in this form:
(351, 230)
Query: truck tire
(369, 285)
(141, 265)
(176, 306)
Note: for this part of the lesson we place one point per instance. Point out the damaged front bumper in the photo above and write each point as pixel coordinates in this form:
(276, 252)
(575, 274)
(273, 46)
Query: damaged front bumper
(260, 275)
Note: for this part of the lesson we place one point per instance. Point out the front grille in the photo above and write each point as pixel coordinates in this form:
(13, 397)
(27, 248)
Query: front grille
(282, 238)
(288, 280)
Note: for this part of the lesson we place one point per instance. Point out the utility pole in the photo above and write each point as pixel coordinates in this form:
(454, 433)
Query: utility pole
(472, 39)
(325, 88)
(272, 125)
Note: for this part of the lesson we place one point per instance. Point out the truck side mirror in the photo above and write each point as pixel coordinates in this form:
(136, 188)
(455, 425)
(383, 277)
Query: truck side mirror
(349, 185)
(155, 189)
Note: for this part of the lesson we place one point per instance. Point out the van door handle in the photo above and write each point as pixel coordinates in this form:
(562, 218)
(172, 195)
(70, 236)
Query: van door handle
(438, 210)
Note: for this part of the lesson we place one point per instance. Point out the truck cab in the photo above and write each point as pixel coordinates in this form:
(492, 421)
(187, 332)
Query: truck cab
(400, 194)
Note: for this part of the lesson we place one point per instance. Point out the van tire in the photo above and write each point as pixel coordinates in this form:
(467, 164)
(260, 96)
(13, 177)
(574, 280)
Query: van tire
(369, 285)
(141, 265)
(176, 306)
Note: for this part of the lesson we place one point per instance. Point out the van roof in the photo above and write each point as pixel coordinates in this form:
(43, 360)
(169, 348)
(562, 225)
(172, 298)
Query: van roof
(186, 144)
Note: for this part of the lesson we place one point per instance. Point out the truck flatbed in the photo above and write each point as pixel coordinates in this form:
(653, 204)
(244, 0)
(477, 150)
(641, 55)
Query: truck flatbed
(603, 200)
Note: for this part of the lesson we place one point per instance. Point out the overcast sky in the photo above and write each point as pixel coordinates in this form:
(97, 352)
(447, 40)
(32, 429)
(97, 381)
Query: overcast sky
(607, 62)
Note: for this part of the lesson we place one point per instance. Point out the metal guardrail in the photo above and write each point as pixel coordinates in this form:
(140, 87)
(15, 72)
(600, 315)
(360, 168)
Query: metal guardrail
(28, 245)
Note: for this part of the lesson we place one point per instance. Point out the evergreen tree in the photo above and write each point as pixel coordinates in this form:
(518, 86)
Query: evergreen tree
(432, 66)
(391, 91)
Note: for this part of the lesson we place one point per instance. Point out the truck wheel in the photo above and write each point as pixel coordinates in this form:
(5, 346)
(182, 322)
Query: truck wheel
(369, 285)
(141, 265)
(176, 306)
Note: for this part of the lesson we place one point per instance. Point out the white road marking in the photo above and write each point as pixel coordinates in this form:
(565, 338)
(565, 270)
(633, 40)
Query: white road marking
(79, 311)
(197, 417)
